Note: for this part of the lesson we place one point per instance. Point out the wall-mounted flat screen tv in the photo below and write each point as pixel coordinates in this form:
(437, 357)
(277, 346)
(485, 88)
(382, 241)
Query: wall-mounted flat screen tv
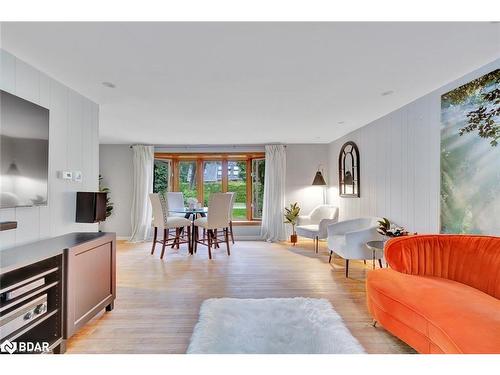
(24, 152)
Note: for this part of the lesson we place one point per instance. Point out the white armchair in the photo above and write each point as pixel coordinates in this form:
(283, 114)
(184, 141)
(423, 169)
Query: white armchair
(316, 223)
(348, 239)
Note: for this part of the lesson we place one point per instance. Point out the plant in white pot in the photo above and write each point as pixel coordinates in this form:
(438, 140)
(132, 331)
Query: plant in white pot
(291, 217)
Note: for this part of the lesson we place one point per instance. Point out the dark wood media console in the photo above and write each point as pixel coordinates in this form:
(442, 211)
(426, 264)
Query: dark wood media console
(51, 288)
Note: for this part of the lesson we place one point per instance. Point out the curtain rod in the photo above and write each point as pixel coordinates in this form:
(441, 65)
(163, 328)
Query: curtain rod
(205, 146)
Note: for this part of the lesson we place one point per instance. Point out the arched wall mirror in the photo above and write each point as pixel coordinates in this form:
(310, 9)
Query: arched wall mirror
(349, 170)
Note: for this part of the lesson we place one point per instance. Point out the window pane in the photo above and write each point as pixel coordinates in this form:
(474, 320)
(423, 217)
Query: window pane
(161, 176)
(237, 183)
(187, 179)
(258, 169)
(212, 179)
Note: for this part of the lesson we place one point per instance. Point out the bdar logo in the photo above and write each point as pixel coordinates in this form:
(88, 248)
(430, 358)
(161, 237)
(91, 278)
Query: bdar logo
(8, 347)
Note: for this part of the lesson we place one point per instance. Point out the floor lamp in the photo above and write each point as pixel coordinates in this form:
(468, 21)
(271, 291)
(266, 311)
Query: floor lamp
(320, 181)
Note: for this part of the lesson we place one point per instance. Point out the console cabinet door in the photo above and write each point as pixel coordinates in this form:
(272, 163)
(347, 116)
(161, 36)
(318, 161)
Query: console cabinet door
(90, 285)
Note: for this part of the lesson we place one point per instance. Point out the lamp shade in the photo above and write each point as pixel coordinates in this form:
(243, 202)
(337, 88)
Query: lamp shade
(13, 170)
(318, 179)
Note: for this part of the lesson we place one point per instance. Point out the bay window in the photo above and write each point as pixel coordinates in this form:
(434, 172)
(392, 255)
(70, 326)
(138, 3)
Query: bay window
(200, 175)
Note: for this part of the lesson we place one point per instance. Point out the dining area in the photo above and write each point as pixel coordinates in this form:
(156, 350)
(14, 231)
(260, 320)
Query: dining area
(175, 223)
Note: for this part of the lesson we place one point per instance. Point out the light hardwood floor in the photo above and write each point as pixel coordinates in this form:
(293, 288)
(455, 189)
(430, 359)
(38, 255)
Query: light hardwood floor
(158, 301)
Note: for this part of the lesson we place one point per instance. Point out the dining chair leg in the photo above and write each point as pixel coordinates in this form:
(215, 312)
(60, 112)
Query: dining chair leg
(193, 239)
(231, 228)
(165, 237)
(178, 237)
(216, 240)
(196, 238)
(197, 234)
(347, 268)
(188, 231)
(204, 234)
(173, 242)
(209, 235)
(155, 235)
(226, 231)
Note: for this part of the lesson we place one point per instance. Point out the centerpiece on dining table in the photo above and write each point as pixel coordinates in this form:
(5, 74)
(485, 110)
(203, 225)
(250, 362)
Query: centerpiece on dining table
(193, 203)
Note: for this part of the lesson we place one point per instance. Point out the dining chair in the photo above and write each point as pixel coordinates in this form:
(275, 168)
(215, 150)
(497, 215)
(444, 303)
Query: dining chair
(161, 220)
(175, 200)
(231, 206)
(233, 196)
(218, 217)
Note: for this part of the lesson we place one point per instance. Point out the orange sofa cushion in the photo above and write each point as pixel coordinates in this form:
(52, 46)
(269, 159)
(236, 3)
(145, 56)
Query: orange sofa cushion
(434, 315)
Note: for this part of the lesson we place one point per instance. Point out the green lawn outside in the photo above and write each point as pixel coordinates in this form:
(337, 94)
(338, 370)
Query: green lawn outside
(240, 213)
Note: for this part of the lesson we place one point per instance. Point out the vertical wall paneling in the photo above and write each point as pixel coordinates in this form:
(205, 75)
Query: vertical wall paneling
(73, 145)
(400, 162)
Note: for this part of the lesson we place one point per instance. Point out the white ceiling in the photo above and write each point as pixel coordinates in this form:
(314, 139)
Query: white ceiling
(247, 83)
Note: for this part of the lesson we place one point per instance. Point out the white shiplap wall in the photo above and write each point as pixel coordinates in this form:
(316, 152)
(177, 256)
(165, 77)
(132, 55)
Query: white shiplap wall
(400, 163)
(302, 161)
(73, 145)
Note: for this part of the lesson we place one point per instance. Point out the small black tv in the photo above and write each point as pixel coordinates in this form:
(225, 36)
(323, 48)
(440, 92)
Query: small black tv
(24, 152)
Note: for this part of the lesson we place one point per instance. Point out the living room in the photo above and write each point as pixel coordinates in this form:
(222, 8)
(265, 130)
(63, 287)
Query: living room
(250, 188)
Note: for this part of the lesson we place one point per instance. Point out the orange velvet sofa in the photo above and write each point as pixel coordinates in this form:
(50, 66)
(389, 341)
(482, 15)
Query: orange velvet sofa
(441, 293)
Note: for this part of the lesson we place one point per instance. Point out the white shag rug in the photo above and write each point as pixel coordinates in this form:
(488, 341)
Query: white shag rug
(271, 325)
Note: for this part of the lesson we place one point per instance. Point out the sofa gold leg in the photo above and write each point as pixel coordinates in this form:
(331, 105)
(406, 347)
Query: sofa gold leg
(374, 324)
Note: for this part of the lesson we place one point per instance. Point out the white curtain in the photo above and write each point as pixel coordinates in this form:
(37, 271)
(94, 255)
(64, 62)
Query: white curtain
(143, 159)
(273, 228)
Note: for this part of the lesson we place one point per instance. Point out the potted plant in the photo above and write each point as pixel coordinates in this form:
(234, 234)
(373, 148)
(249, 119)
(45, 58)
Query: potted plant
(109, 204)
(387, 229)
(291, 217)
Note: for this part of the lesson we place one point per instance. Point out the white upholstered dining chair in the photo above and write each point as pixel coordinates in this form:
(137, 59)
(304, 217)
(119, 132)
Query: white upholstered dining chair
(175, 200)
(218, 217)
(316, 223)
(161, 220)
(233, 197)
(348, 239)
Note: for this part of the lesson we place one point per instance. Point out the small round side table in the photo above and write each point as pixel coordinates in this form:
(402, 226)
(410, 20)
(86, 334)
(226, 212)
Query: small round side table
(376, 247)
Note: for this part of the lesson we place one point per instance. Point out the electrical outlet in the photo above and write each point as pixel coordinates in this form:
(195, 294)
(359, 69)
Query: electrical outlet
(77, 176)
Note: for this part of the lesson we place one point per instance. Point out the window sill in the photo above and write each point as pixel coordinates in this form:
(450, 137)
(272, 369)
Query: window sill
(237, 223)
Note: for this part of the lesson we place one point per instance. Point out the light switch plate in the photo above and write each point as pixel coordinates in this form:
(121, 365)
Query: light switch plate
(66, 175)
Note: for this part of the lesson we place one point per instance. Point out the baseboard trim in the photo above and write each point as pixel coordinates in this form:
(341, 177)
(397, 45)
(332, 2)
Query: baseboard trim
(236, 238)
(248, 238)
